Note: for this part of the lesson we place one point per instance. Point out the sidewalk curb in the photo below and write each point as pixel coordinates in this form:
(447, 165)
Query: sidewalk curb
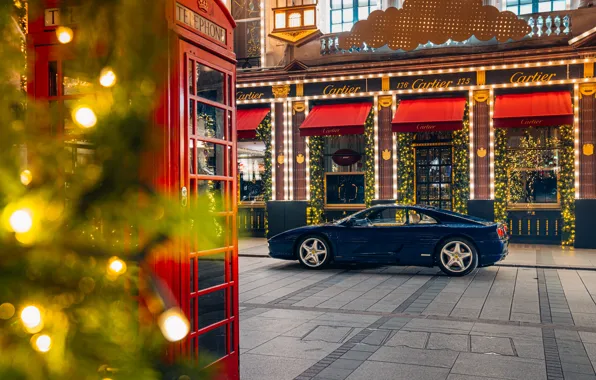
(544, 267)
(249, 255)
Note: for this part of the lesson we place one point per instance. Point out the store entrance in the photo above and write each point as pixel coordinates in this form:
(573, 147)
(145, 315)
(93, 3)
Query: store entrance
(434, 176)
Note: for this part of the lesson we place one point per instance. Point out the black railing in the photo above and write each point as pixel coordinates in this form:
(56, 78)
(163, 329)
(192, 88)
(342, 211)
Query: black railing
(535, 226)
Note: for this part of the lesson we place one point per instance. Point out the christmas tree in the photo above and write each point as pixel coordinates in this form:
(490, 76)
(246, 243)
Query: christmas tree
(81, 217)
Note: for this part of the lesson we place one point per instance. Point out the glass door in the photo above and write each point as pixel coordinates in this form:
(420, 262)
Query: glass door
(434, 176)
(209, 176)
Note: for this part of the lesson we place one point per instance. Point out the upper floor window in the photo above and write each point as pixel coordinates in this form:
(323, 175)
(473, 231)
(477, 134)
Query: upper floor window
(345, 13)
(522, 7)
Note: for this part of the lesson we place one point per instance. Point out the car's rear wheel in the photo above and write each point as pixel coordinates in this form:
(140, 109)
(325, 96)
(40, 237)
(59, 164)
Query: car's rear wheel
(457, 257)
(313, 252)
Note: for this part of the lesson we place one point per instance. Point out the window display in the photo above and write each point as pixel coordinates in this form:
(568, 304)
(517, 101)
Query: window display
(344, 189)
(251, 167)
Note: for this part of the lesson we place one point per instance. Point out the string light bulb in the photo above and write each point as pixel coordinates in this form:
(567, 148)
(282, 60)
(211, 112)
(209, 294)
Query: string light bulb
(26, 177)
(116, 266)
(64, 34)
(173, 324)
(85, 117)
(107, 77)
(31, 317)
(21, 221)
(42, 343)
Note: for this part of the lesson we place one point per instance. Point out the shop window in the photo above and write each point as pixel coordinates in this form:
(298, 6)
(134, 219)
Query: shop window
(344, 170)
(532, 176)
(345, 13)
(434, 177)
(522, 7)
(251, 167)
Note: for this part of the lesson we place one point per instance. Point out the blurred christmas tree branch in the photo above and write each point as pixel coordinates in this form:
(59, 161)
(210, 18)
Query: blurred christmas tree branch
(77, 235)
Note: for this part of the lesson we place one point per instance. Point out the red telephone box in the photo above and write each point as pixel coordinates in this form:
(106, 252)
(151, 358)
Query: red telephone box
(198, 115)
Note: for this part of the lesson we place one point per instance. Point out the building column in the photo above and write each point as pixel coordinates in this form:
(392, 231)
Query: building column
(279, 147)
(481, 203)
(299, 151)
(587, 140)
(385, 150)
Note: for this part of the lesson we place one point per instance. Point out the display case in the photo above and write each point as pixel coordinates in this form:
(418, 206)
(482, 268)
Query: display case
(344, 190)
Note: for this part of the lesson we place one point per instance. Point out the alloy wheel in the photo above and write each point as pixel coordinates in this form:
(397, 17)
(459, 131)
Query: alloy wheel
(456, 256)
(313, 252)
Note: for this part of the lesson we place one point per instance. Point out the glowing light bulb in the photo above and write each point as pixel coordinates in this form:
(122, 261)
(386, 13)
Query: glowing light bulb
(26, 177)
(116, 267)
(85, 117)
(107, 77)
(21, 221)
(64, 34)
(173, 324)
(31, 317)
(42, 343)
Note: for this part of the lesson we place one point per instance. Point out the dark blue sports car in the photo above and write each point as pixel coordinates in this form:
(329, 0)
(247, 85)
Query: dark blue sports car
(397, 235)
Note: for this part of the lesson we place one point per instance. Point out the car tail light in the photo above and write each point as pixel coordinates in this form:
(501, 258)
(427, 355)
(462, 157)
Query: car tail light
(502, 231)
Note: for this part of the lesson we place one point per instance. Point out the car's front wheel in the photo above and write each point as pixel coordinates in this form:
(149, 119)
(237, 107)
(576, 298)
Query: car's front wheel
(313, 252)
(457, 257)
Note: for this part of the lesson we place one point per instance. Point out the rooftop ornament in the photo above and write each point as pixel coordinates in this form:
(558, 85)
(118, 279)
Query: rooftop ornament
(436, 21)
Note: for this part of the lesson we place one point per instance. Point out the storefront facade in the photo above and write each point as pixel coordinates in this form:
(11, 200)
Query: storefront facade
(195, 118)
(504, 132)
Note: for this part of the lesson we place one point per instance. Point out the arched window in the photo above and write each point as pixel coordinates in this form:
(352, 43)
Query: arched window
(345, 13)
(522, 7)
(295, 20)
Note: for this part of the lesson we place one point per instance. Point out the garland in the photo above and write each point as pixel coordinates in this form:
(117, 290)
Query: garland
(567, 184)
(264, 135)
(405, 169)
(501, 164)
(369, 160)
(461, 167)
(316, 165)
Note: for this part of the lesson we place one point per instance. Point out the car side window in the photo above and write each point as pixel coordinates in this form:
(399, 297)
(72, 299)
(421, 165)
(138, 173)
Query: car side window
(417, 217)
(390, 216)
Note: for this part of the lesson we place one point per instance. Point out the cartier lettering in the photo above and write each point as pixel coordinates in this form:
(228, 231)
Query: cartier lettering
(332, 90)
(200, 23)
(330, 131)
(521, 77)
(422, 83)
(531, 121)
(240, 95)
(425, 127)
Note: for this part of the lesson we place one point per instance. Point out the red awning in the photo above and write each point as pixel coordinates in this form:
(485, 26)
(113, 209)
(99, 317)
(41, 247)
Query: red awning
(427, 115)
(336, 119)
(533, 110)
(248, 121)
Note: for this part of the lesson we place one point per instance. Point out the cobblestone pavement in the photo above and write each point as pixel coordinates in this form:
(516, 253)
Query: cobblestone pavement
(379, 322)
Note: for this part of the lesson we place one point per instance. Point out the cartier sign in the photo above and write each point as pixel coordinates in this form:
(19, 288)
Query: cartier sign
(527, 75)
(441, 81)
(200, 23)
(336, 88)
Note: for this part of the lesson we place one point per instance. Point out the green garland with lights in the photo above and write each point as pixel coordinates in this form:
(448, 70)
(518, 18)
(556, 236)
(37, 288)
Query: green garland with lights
(316, 206)
(501, 163)
(461, 166)
(264, 135)
(567, 184)
(405, 168)
(369, 160)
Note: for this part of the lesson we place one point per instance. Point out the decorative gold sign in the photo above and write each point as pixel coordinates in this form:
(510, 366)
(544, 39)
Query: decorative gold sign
(298, 107)
(281, 91)
(481, 152)
(386, 154)
(281, 159)
(588, 149)
(385, 101)
(422, 21)
(300, 158)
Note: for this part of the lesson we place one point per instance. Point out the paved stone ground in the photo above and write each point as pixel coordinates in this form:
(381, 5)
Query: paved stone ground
(378, 322)
(547, 256)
